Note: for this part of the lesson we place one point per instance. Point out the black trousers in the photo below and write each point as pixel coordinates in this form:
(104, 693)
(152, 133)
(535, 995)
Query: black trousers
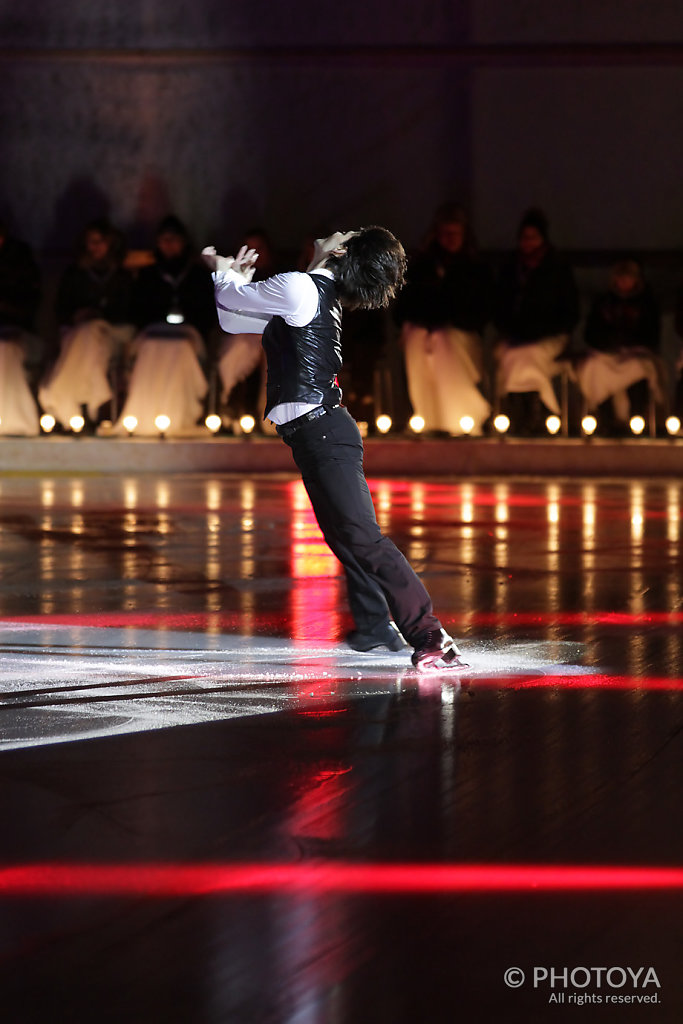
(380, 581)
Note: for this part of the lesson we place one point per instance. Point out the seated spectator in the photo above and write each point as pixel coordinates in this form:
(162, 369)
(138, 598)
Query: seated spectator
(443, 310)
(241, 359)
(537, 308)
(176, 289)
(622, 334)
(96, 286)
(174, 307)
(92, 307)
(20, 350)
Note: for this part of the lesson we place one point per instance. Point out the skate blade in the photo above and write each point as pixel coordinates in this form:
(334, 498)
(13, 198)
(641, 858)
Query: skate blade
(450, 661)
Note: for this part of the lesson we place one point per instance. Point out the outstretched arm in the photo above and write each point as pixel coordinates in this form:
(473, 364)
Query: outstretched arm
(243, 263)
(245, 306)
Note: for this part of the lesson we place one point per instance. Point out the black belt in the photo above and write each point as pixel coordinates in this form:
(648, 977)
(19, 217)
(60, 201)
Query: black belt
(291, 427)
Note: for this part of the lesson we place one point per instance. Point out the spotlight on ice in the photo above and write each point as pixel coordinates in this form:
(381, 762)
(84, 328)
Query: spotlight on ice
(637, 424)
(383, 423)
(553, 424)
(416, 424)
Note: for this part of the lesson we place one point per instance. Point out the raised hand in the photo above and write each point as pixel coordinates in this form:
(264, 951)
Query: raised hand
(245, 262)
(215, 262)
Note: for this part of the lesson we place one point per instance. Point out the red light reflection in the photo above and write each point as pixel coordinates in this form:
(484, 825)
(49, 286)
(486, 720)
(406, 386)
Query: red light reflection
(580, 682)
(267, 620)
(170, 880)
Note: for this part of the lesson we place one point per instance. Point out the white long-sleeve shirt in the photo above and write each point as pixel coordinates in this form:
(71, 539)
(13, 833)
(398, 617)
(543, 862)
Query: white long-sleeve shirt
(245, 307)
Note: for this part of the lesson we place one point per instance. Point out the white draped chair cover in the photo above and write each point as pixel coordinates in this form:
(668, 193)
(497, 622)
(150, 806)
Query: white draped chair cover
(167, 379)
(18, 409)
(603, 375)
(531, 367)
(81, 374)
(443, 370)
(238, 356)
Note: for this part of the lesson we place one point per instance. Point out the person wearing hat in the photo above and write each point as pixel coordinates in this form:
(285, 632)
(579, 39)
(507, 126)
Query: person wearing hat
(536, 309)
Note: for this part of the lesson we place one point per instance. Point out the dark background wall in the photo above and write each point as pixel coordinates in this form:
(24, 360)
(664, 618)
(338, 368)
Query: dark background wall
(314, 113)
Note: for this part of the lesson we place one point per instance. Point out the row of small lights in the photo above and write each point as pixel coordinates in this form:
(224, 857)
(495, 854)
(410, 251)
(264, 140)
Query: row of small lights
(213, 422)
(553, 424)
(501, 424)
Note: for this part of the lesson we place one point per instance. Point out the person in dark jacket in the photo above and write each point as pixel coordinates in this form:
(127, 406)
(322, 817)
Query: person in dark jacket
(176, 288)
(622, 336)
(442, 311)
(626, 316)
(447, 281)
(96, 286)
(93, 312)
(301, 314)
(536, 309)
(174, 308)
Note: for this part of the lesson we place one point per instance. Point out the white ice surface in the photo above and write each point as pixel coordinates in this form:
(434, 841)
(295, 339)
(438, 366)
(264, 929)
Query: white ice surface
(62, 683)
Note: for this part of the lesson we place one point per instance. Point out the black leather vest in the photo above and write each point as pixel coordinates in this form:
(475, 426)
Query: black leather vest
(303, 362)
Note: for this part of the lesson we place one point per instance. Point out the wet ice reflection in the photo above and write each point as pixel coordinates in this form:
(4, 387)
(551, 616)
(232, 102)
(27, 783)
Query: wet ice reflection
(315, 599)
(583, 566)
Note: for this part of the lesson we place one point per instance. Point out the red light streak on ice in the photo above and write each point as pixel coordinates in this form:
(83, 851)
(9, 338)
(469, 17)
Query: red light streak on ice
(232, 620)
(581, 618)
(581, 682)
(173, 880)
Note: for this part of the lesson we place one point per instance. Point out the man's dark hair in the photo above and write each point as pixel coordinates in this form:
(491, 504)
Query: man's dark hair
(371, 270)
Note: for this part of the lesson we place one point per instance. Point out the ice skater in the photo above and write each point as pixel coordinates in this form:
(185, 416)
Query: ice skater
(300, 315)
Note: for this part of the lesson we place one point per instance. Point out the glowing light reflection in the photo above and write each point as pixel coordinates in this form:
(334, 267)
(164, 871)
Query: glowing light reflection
(169, 880)
(47, 493)
(231, 620)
